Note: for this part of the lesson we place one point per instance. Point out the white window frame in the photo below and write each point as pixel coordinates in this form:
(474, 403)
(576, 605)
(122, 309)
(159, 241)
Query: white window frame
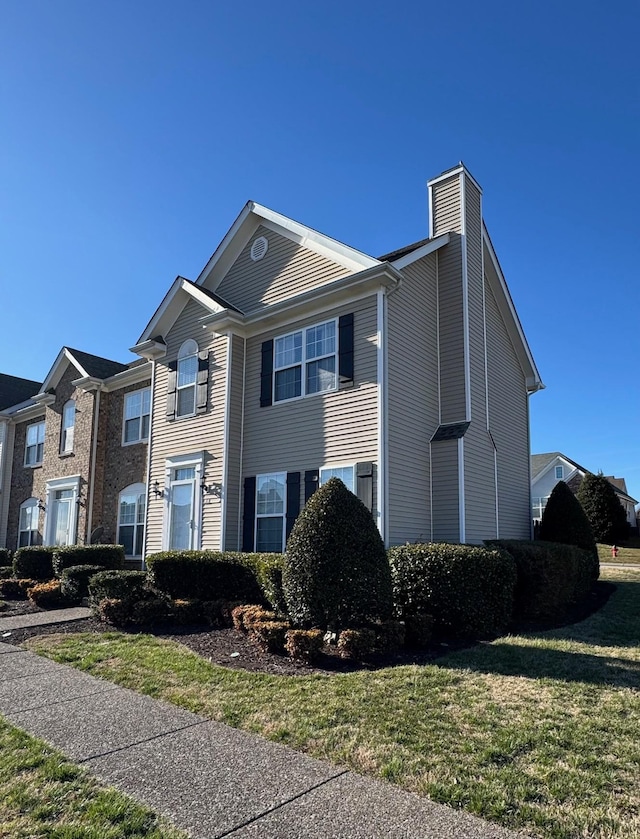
(36, 462)
(72, 483)
(333, 467)
(283, 477)
(538, 503)
(184, 462)
(29, 504)
(304, 362)
(189, 349)
(67, 432)
(560, 469)
(142, 414)
(137, 490)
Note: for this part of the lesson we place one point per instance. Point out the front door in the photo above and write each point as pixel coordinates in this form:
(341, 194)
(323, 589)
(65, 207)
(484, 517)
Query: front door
(62, 501)
(181, 521)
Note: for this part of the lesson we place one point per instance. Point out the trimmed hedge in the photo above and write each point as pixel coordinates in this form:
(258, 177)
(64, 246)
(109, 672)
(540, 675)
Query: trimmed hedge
(358, 644)
(551, 577)
(304, 644)
(6, 571)
(108, 557)
(16, 589)
(270, 636)
(467, 590)
(128, 586)
(34, 562)
(47, 595)
(206, 575)
(5, 557)
(336, 571)
(74, 581)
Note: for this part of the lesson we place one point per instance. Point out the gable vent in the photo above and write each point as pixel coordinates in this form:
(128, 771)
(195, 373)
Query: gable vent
(259, 248)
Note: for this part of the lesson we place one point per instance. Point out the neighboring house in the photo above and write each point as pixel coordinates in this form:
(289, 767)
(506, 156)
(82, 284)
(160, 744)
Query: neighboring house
(290, 359)
(74, 468)
(547, 469)
(293, 357)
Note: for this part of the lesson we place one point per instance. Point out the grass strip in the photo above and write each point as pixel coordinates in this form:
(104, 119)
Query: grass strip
(45, 796)
(537, 732)
(629, 554)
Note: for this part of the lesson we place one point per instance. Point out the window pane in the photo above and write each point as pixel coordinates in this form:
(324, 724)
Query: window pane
(288, 383)
(141, 505)
(69, 415)
(132, 430)
(187, 370)
(184, 473)
(145, 427)
(270, 496)
(132, 405)
(139, 538)
(125, 537)
(288, 350)
(321, 340)
(186, 401)
(23, 538)
(127, 509)
(269, 535)
(39, 452)
(321, 375)
(40, 432)
(345, 473)
(146, 401)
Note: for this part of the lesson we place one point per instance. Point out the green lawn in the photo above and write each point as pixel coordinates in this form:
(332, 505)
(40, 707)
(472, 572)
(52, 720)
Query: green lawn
(538, 731)
(44, 796)
(629, 554)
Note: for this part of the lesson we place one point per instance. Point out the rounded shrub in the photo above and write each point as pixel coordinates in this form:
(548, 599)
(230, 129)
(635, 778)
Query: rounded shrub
(564, 520)
(468, 591)
(336, 571)
(118, 585)
(34, 562)
(602, 508)
(108, 557)
(74, 582)
(206, 575)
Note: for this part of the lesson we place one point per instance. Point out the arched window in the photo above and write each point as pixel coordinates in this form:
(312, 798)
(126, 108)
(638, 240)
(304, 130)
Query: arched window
(68, 427)
(186, 379)
(131, 510)
(28, 533)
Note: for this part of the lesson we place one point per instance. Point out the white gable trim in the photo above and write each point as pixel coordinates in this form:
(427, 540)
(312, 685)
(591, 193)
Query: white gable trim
(55, 374)
(508, 311)
(172, 305)
(252, 216)
(558, 460)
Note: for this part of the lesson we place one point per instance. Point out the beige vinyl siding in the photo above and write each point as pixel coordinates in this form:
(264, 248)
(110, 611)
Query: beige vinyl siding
(234, 447)
(412, 382)
(189, 435)
(447, 217)
(446, 498)
(479, 461)
(509, 424)
(287, 269)
(337, 428)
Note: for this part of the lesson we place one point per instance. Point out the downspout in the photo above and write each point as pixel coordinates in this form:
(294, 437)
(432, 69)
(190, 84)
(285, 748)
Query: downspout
(92, 472)
(148, 473)
(225, 444)
(241, 494)
(382, 423)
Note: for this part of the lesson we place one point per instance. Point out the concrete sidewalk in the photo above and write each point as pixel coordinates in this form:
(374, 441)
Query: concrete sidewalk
(8, 624)
(209, 779)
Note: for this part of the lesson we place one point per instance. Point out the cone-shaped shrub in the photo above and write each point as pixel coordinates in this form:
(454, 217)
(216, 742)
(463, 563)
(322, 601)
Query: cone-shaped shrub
(605, 513)
(564, 521)
(336, 572)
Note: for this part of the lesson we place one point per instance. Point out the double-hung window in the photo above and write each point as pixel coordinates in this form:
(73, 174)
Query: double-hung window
(68, 427)
(345, 473)
(186, 379)
(271, 495)
(559, 473)
(28, 533)
(34, 448)
(131, 510)
(305, 362)
(137, 410)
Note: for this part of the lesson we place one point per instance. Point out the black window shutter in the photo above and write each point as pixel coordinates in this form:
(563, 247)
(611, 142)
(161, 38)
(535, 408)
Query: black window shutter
(345, 348)
(249, 518)
(364, 484)
(202, 385)
(311, 481)
(266, 374)
(293, 499)
(171, 390)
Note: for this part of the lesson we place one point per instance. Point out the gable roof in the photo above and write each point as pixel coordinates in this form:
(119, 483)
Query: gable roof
(540, 462)
(87, 365)
(14, 390)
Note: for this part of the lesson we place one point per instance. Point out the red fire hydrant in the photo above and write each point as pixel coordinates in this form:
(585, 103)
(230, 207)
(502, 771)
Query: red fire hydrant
(614, 552)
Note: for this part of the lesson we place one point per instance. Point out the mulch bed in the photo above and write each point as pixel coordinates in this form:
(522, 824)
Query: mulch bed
(233, 649)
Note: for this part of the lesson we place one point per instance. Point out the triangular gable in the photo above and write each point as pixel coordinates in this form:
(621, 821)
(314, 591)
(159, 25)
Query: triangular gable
(87, 365)
(556, 459)
(244, 229)
(174, 302)
(498, 285)
(63, 359)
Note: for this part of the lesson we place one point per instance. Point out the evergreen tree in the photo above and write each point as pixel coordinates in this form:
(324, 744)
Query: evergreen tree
(603, 509)
(336, 573)
(564, 520)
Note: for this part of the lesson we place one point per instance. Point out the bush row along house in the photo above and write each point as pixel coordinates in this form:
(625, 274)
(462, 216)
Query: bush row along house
(549, 468)
(290, 359)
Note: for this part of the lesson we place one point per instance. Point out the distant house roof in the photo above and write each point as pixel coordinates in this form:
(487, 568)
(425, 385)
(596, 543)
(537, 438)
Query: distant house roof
(96, 366)
(539, 463)
(14, 390)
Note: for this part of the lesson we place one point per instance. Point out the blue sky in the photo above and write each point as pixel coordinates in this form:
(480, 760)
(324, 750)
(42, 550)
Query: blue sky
(134, 132)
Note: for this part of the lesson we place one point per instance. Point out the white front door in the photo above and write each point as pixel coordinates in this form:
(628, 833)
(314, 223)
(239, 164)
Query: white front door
(182, 513)
(62, 501)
